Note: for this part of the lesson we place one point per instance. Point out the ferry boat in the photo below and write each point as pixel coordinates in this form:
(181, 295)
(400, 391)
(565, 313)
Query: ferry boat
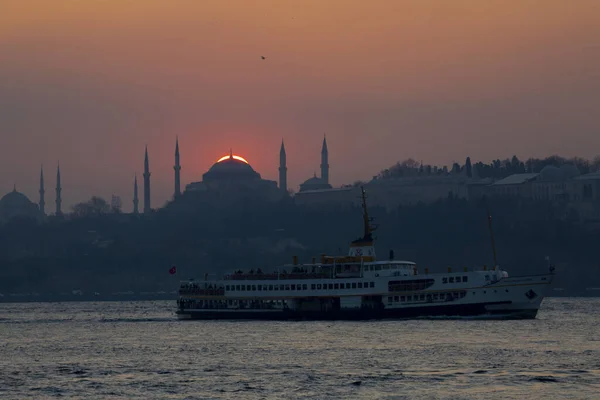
(360, 287)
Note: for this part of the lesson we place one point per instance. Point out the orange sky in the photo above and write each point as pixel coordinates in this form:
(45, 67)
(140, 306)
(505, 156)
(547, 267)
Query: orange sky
(91, 82)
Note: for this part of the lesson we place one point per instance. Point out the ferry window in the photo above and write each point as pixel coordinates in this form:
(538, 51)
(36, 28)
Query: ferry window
(243, 287)
(318, 286)
(347, 285)
(444, 280)
(353, 285)
(227, 287)
(396, 299)
(360, 285)
(270, 287)
(372, 284)
(451, 279)
(436, 296)
(293, 287)
(237, 287)
(402, 298)
(386, 266)
(458, 279)
(336, 286)
(253, 287)
(331, 286)
(276, 287)
(422, 297)
(312, 286)
(465, 279)
(287, 287)
(408, 298)
(389, 299)
(304, 286)
(378, 268)
(487, 277)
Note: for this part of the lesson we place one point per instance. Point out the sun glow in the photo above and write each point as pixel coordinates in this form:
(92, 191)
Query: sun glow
(234, 157)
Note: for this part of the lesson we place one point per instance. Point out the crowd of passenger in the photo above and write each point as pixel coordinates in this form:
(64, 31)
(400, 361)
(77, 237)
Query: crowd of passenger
(231, 304)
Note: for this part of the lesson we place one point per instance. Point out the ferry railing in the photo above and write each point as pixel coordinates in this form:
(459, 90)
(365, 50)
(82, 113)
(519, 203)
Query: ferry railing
(278, 276)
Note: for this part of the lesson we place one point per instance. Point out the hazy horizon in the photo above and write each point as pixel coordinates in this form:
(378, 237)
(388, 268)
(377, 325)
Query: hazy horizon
(91, 83)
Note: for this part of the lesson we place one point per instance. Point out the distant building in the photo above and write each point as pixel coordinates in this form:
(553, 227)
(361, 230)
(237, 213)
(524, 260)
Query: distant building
(314, 183)
(319, 183)
(16, 204)
(232, 176)
(586, 191)
(342, 197)
(516, 185)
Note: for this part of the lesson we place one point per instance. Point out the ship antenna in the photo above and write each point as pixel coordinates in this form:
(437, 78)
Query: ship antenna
(492, 238)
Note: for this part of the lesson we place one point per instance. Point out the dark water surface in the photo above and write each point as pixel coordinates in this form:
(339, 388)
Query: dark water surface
(138, 350)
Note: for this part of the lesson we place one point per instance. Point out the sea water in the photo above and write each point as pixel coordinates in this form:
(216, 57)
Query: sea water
(138, 350)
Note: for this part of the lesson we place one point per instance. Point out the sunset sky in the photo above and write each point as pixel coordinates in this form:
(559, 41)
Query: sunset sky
(90, 83)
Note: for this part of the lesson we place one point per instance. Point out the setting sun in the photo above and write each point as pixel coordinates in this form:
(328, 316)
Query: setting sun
(234, 157)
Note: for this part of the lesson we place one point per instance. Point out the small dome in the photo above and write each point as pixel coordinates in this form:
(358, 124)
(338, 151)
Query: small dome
(314, 183)
(552, 173)
(570, 171)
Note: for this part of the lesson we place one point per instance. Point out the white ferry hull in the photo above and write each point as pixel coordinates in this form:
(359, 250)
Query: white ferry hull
(486, 311)
(511, 298)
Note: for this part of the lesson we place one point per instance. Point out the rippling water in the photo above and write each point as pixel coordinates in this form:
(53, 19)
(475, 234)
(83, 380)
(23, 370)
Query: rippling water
(138, 350)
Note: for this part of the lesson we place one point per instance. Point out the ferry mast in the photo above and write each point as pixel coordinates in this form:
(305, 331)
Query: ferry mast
(368, 228)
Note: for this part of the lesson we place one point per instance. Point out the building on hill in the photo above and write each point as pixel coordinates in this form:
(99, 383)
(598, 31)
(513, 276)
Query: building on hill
(16, 204)
(342, 197)
(586, 189)
(314, 183)
(322, 182)
(233, 176)
(392, 192)
(516, 185)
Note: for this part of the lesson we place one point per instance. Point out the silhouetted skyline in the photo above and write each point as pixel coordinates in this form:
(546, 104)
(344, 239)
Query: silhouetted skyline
(90, 84)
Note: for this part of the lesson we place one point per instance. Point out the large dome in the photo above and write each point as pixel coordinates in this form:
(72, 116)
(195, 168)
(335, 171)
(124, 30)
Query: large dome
(16, 204)
(232, 167)
(14, 199)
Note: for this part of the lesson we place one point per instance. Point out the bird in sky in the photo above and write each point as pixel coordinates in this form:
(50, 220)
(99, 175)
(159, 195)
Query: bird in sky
(263, 57)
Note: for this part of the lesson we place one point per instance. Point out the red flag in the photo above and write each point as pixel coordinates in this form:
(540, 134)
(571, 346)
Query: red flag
(173, 270)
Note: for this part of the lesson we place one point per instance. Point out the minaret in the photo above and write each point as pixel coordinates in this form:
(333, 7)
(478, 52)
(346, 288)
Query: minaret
(136, 200)
(42, 192)
(282, 169)
(324, 162)
(147, 208)
(177, 169)
(58, 191)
